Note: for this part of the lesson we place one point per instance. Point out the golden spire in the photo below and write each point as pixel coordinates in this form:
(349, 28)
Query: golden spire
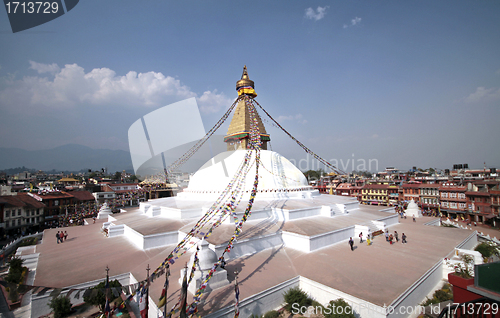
(239, 129)
(245, 85)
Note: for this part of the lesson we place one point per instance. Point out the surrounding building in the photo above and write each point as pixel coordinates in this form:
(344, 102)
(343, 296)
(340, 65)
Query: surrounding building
(56, 203)
(452, 199)
(20, 213)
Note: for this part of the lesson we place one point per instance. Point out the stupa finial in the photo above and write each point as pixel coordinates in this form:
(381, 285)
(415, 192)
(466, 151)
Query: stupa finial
(245, 85)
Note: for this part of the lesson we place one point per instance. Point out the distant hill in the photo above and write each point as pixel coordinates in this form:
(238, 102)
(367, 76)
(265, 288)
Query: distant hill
(70, 157)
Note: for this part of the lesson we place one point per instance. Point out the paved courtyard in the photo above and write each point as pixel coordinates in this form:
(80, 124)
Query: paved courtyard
(378, 273)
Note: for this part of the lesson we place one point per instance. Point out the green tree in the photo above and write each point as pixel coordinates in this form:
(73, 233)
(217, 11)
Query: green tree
(272, 314)
(312, 175)
(487, 249)
(16, 269)
(296, 296)
(99, 299)
(339, 309)
(61, 306)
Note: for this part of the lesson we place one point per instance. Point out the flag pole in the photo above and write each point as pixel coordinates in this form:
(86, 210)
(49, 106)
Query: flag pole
(184, 294)
(106, 306)
(237, 296)
(147, 294)
(166, 290)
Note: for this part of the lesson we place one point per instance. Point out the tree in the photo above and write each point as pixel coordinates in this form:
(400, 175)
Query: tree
(118, 175)
(15, 271)
(339, 309)
(296, 296)
(99, 299)
(488, 249)
(61, 306)
(312, 175)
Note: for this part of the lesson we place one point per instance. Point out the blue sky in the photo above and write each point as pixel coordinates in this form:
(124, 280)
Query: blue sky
(408, 83)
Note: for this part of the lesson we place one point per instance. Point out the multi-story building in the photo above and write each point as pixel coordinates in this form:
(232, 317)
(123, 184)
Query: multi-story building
(452, 198)
(345, 189)
(479, 200)
(20, 213)
(128, 194)
(379, 194)
(411, 191)
(56, 203)
(429, 197)
(495, 204)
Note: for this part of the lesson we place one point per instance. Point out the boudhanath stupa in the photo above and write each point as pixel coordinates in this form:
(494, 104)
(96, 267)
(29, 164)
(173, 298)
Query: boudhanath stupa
(294, 237)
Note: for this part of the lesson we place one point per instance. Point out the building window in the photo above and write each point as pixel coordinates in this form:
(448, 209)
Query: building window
(7, 214)
(444, 195)
(19, 222)
(19, 212)
(6, 223)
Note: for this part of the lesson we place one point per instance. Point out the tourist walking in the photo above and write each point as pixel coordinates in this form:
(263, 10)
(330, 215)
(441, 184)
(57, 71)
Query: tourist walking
(58, 236)
(403, 238)
(390, 239)
(368, 240)
(414, 219)
(360, 237)
(396, 236)
(65, 235)
(351, 243)
(387, 235)
(61, 236)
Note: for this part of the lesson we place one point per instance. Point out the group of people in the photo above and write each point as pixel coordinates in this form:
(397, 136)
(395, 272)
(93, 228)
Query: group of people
(61, 236)
(392, 238)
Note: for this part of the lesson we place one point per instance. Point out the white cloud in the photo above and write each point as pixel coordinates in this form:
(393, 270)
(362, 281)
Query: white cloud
(317, 14)
(211, 102)
(354, 22)
(483, 95)
(297, 118)
(72, 86)
(44, 68)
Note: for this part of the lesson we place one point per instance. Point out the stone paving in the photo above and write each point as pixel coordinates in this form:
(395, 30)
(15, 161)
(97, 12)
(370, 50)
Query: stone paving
(378, 273)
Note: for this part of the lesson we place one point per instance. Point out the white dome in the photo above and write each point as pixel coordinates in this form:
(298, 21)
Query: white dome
(206, 257)
(413, 210)
(277, 175)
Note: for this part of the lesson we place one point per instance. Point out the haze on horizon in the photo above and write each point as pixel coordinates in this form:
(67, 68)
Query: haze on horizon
(406, 83)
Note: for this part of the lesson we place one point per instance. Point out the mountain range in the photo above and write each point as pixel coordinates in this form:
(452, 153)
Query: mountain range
(71, 157)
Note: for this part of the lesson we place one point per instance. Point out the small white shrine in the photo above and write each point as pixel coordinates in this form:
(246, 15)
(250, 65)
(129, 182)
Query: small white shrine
(413, 210)
(104, 212)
